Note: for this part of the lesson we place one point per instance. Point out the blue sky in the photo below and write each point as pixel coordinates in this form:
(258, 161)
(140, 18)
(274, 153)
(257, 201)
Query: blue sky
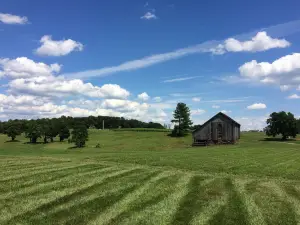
(138, 59)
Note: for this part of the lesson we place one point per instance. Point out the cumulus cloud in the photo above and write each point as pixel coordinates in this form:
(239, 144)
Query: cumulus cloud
(157, 99)
(260, 42)
(149, 16)
(196, 99)
(284, 72)
(282, 65)
(123, 105)
(23, 67)
(251, 123)
(294, 96)
(12, 19)
(51, 47)
(143, 96)
(58, 86)
(257, 106)
(197, 112)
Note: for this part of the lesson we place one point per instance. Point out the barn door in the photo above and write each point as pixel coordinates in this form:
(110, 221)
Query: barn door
(219, 132)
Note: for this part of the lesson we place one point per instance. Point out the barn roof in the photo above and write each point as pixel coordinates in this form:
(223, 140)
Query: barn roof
(218, 114)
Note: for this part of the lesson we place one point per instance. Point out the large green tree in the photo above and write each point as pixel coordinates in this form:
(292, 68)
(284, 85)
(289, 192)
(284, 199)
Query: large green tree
(281, 123)
(79, 135)
(33, 131)
(182, 120)
(63, 132)
(13, 129)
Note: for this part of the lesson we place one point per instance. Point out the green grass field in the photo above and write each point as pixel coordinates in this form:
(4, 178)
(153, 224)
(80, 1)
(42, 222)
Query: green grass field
(150, 178)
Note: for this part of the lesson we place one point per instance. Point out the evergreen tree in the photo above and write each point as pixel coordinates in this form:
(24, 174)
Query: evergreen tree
(182, 120)
(281, 123)
(79, 135)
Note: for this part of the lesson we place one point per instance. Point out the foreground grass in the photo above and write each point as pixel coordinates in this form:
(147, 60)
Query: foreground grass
(149, 178)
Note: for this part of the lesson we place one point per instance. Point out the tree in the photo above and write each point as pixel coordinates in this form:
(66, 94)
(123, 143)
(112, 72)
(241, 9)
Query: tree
(13, 129)
(281, 123)
(33, 131)
(79, 135)
(182, 120)
(64, 132)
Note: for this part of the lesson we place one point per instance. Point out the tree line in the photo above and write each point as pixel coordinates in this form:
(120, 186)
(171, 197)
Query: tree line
(48, 129)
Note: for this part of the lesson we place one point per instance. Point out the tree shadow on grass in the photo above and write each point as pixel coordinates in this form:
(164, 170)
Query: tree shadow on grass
(278, 140)
(12, 141)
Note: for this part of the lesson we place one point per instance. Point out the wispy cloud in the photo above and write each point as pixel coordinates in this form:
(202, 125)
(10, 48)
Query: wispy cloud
(224, 101)
(180, 79)
(149, 16)
(277, 31)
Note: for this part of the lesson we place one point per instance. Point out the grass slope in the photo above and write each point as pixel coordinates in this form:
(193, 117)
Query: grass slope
(150, 178)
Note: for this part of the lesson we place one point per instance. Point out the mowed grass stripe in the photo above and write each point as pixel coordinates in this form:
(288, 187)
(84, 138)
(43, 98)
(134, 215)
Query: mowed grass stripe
(30, 201)
(149, 193)
(58, 185)
(27, 167)
(27, 181)
(197, 196)
(86, 209)
(41, 170)
(255, 215)
(273, 207)
(234, 211)
(162, 213)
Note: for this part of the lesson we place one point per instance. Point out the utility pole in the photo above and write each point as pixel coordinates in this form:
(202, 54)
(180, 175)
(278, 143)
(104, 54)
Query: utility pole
(102, 124)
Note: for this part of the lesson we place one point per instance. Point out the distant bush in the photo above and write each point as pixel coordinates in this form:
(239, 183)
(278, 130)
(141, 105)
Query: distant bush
(143, 130)
(98, 145)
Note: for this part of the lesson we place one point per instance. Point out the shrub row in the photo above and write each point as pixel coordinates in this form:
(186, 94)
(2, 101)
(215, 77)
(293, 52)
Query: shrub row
(143, 130)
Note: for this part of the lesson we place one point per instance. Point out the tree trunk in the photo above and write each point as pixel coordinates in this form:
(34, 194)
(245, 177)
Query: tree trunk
(51, 139)
(45, 140)
(61, 138)
(13, 138)
(33, 140)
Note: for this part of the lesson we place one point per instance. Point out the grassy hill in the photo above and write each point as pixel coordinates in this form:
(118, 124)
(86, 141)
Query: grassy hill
(150, 178)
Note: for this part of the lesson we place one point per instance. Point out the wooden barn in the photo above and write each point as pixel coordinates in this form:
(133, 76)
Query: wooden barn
(220, 129)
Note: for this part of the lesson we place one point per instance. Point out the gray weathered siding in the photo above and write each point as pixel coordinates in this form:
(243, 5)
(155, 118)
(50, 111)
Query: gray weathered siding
(230, 130)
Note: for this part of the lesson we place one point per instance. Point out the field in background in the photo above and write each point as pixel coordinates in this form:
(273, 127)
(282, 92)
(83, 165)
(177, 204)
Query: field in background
(150, 178)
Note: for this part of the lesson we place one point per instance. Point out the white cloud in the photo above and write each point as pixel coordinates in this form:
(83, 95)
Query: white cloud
(11, 100)
(23, 67)
(157, 99)
(215, 106)
(123, 105)
(51, 47)
(282, 65)
(180, 79)
(58, 86)
(143, 96)
(226, 111)
(260, 42)
(294, 96)
(284, 72)
(285, 87)
(281, 30)
(12, 19)
(257, 106)
(149, 16)
(196, 99)
(252, 123)
(197, 112)
(224, 101)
